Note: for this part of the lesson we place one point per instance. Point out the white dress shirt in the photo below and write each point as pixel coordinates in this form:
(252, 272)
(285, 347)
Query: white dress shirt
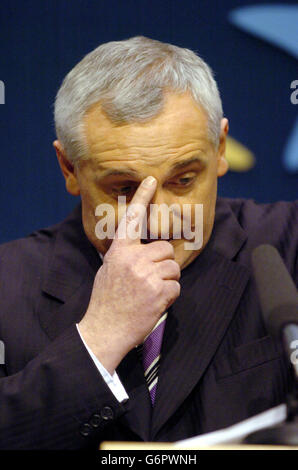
(112, 381)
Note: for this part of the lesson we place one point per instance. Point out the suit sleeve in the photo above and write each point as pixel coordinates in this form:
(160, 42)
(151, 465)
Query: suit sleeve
(58, 401)
(112, 381)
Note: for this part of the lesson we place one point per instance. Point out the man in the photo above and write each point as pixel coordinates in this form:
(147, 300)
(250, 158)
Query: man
(139, 119)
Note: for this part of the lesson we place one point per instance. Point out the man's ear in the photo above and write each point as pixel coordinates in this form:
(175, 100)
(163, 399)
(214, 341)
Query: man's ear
(222, 163)
(68, 170)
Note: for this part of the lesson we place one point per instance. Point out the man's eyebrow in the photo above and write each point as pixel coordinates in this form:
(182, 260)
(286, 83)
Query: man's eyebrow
(189, 161)
(117, 172)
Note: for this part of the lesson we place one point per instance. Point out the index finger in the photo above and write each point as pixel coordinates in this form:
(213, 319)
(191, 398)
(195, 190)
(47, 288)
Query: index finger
(136, 212)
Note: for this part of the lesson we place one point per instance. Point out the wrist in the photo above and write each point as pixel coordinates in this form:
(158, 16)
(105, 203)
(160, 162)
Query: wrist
(104, 346)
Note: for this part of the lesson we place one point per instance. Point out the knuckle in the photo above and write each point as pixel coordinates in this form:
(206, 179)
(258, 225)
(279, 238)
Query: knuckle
(174, 267)
(178, 271)
(167, 247)
(174, 263)
(178, 288)
(175, 289)
(172, 290)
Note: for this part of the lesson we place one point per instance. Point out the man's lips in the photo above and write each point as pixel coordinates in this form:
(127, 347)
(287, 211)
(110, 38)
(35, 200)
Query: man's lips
(150, 240)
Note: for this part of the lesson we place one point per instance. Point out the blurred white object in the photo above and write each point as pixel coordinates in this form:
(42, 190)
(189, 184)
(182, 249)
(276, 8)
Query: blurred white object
(236, 433)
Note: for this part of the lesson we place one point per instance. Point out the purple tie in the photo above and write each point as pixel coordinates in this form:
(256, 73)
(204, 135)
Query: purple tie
(151, 355)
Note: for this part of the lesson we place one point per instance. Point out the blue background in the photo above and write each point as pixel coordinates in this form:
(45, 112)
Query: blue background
(42, 40)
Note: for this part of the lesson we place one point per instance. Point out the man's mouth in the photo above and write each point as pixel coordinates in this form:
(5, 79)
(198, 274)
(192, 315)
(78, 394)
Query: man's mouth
(150, 240)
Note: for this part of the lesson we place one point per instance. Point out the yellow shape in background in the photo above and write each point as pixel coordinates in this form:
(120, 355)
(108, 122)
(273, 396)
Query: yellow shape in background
(239, 157)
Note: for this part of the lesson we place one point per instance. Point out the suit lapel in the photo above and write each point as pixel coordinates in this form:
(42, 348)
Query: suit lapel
(68, 278)
(211, 288)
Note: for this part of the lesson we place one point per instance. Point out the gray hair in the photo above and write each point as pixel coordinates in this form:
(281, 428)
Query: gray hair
(128, 78)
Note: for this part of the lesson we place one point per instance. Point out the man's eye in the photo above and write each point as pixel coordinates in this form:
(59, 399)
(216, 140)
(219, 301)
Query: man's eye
(123, 190)
(183, 181)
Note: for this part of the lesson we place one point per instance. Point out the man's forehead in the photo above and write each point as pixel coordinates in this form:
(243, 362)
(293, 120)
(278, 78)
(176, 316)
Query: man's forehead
(180, 124)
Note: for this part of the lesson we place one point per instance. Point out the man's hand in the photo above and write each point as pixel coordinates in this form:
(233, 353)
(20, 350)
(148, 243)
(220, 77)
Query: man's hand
(131, 290)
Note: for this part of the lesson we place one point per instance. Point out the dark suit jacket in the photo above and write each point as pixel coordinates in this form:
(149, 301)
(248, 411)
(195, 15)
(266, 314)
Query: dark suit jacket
(218, 364)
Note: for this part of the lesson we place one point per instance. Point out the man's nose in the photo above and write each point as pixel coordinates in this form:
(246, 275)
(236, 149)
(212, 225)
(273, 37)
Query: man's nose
(160, 196)
(159, 220)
